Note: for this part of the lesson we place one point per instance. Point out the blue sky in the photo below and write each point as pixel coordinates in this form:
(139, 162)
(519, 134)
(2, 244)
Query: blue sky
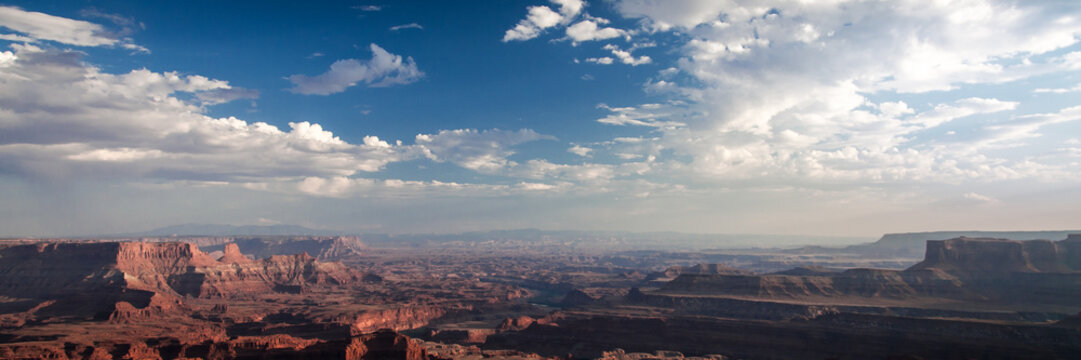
(820, 117)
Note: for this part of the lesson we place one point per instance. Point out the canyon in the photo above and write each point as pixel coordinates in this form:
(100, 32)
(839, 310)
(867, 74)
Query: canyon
(260, 297)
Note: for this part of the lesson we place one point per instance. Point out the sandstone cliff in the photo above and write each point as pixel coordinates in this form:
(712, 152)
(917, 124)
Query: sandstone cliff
(985, 256)
(1034, 272)
(91, 278)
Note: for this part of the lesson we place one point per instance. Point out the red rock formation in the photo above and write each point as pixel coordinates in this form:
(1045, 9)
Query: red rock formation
(516, 323)
(232, 255)
(461, 336)
(269, 342)
(382, 344)
(161, 305)
(137, 280)
(399, 318)
(279, 273)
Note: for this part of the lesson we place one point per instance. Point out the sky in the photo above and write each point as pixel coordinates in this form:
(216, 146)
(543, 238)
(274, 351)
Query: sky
(833, 117)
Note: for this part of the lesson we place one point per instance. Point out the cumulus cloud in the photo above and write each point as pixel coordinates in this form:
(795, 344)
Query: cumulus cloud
(589, 30)
(626, 57)
(383, 69)
(61, 117)
(807, 91)
(541, 18)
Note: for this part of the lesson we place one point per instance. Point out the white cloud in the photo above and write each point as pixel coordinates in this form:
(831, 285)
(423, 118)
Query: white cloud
(343, 187)
(601, 60)
(1013, 131)
(588, 173)
(579, 150)
(407, 26)
(664, 15)
(650, 115)
(40, 26)
(47, 27)
(962, 108)
(626, 57)
(540, 18)
(484, 151)
(569, 8)
(383, 69)
(784, 90)
(61, 117)
(588, 30)
(7, 58)
(338, 186)
(1075, 88)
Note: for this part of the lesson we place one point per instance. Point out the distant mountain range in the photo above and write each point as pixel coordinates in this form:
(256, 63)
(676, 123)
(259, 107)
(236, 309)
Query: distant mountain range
(889, 245)
(229, 230)
(570, 238)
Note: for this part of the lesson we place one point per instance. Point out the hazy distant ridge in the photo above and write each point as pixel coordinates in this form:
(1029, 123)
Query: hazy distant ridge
(914, 244)
(229, 230)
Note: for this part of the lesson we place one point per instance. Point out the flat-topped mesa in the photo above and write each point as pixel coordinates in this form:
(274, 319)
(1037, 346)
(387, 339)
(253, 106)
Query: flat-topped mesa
(698, 269)
(162, 257)
(866, 283)
(278, 273)
(985, 256)
(112, 269)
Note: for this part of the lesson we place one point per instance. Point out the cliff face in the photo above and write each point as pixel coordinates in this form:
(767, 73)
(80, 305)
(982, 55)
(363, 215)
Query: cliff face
(136, 273)
(870, 283)
(912, 244)
(983, 256)
(279, 273)
(401, 318)
(995, 270)
(36, 270)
